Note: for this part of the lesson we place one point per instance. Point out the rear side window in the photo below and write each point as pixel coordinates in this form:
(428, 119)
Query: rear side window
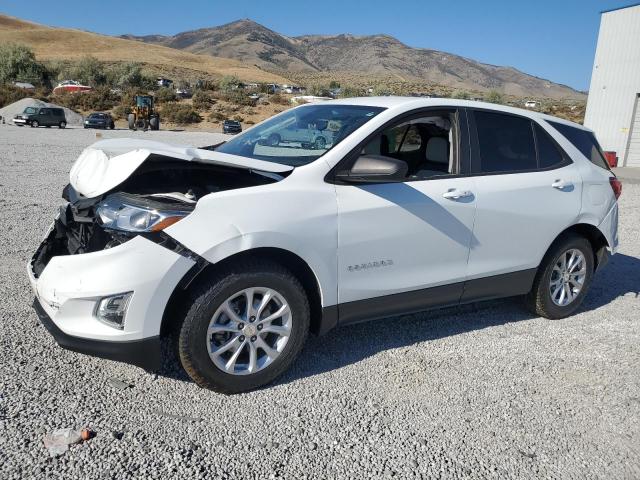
(584, 141)
(549, 155)
(506, 143)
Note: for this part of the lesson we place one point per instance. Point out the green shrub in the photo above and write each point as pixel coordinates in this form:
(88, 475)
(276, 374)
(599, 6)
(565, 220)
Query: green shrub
(99, 99)
(18, 63)
(461, 94)
(90, 71)
(165, 95)
(201, 100)
(238, 97)
(229, 83)
(238, 118)
(182, 114)
(10, 94)
(121, 112)
(494, 97)
(216, 116)
(279, 99)
(130, 75)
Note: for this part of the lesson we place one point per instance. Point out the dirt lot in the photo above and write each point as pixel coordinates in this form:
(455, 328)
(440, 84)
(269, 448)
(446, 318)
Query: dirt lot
(481, 391)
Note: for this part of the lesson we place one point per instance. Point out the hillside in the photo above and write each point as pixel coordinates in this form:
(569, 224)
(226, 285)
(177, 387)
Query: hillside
(377, 55)
(50, 43)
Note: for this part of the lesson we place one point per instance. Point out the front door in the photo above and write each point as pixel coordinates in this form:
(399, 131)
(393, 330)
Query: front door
(397, 239)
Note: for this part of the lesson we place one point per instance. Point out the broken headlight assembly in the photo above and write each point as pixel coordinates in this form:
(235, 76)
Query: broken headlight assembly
(133, 214)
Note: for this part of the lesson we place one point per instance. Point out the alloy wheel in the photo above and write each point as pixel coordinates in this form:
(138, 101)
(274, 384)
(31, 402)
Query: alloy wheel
(249, 331)
(568, 277)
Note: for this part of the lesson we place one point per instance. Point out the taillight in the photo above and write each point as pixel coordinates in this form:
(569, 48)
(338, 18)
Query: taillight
(612, 159)
(616, 186)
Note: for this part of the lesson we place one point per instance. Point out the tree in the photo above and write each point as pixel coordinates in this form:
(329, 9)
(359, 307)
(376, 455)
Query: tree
(90, 71)
(18, 63)
(229, 82)
(494, 97)
(333, 84)
(130, 75)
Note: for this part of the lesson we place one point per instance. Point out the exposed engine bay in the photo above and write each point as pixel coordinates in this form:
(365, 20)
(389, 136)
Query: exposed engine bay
(161, 191)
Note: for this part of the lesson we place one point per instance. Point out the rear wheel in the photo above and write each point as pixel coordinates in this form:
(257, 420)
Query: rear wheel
(245, 328)
(112, 126)
(154, 122)
(62, 125)
(131, 118)
(563, 278)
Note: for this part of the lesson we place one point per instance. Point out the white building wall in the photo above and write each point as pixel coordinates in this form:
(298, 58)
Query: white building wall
(615, 81)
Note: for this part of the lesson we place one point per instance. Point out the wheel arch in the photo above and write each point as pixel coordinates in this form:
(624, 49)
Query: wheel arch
(593, 234)
(319, 324)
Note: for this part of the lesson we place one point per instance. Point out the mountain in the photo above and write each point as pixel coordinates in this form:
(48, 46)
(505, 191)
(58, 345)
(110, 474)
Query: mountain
(378, 55)
(51, 43)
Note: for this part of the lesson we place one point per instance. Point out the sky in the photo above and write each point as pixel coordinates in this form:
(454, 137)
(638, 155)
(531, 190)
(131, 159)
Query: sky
(550, 39)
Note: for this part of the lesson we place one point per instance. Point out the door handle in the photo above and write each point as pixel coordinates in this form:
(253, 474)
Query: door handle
(561, 184)
(455, 194)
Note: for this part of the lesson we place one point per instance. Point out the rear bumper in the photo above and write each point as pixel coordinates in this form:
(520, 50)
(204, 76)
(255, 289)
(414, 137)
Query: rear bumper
(143, 353)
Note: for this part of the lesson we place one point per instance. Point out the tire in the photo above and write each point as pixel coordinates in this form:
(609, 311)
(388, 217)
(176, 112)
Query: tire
(205, 305)
(35, 124)
(154, 122)
(273, 140)
(131, 118)
(62, 125)
(320, 143)
(112, 126)
(540, 299)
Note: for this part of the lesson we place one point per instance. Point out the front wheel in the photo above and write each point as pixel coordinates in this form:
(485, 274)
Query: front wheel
(563, 278)
(244, 328)
(62, 125)
(35, 124)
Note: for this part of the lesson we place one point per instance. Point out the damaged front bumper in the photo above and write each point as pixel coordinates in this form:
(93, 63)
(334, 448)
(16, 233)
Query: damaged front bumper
(69, 288)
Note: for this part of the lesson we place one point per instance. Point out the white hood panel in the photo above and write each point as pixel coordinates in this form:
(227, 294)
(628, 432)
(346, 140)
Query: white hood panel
(107, 163)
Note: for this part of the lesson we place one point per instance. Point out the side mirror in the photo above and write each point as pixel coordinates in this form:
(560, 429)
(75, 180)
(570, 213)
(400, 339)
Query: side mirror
(374, 169)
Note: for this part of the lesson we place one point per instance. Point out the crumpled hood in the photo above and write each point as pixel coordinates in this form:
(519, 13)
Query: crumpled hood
(107, 163)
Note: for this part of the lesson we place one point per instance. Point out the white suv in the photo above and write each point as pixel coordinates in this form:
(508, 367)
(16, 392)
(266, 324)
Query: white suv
(243, 248)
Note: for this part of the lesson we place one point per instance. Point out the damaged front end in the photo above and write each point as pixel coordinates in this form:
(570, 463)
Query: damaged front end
(160, 193)
(106, 270)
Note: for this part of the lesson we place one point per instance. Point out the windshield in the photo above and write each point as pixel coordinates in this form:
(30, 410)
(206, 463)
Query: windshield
(98, 115)
(301, 135)
(29, 110)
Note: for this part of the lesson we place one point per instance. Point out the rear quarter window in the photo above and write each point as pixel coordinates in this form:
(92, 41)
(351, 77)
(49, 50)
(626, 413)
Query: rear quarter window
(584, 141)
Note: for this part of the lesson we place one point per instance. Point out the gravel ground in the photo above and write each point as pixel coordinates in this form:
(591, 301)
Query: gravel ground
(481, 391)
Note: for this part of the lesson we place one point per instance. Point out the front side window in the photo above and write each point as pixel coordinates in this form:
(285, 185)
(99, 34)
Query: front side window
(584, 141)
(426, 144)
(506, 143)
(301, 135)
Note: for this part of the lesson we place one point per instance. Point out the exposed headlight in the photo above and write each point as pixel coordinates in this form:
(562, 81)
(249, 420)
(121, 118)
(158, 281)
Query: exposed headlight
(86, 121)
(117, 212)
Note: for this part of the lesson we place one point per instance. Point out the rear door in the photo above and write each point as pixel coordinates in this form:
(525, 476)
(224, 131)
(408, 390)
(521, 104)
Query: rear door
(528, 191)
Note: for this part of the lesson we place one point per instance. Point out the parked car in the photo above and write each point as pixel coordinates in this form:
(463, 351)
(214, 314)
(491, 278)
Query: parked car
(99, 120)
(231, 126)
(244, 250)
(309, 136)
(41, 117)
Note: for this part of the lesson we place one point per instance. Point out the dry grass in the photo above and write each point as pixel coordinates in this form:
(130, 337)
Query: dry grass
(67, 44)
